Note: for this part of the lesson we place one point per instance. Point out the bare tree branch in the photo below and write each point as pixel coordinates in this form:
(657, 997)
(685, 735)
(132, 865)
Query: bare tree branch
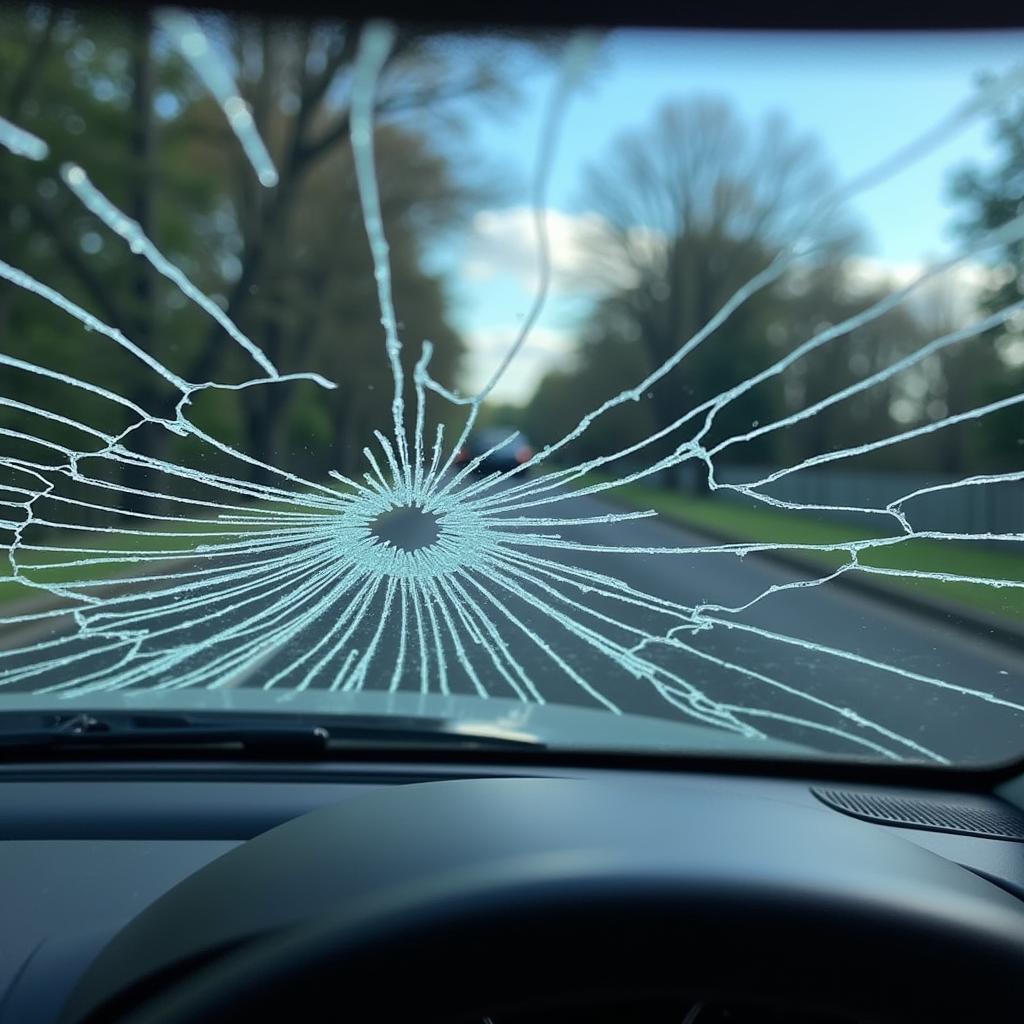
(101, 295)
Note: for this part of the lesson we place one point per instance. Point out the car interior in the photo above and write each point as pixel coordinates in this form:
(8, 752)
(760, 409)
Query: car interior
(488, 886)
(183, 877)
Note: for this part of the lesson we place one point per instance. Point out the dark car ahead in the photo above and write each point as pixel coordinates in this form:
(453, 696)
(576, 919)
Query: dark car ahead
(504, 456)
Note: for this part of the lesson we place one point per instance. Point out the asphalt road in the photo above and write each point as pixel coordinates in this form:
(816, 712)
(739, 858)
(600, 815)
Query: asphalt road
(912, 689)
(831, 615)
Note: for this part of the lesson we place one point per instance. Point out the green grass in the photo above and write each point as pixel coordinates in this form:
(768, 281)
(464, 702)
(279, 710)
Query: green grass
(721, 518)
(774, 526)
(36, 563)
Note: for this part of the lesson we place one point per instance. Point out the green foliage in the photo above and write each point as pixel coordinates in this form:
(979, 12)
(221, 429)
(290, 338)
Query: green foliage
(989, 197)
(564, 397)
(290, 265)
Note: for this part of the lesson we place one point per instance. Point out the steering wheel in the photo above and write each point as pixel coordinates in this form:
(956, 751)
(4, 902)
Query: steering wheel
(517, 893)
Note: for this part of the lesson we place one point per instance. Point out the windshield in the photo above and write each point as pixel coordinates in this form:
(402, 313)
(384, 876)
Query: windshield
(625, 388)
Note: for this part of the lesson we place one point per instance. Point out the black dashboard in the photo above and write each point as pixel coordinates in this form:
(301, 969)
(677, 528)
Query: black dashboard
(502, 894)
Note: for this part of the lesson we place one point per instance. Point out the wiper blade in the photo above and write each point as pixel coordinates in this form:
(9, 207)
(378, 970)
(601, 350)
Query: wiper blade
(85, 731)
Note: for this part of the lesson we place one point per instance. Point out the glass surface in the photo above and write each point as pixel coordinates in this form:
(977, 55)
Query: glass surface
(649, 390)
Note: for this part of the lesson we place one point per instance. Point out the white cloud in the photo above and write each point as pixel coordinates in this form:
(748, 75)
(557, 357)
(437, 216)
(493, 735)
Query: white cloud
(503, 245)
(545, 348)
(504, 242)
(952, 294)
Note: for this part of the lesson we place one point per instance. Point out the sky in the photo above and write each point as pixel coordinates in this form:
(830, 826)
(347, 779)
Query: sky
(862, 96)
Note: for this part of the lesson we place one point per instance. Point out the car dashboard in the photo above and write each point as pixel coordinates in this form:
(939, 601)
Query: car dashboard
(118, 881)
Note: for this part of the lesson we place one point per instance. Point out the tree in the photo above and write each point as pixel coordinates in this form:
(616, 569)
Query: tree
(696, 206)
(299, 82)
(693, 207)
(992, 367)
(691, 210)
(290, 264)
(85, 84)
(564, 396)
(320, 307)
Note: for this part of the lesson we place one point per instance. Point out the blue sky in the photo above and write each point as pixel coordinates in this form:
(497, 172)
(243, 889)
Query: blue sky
(862, 96)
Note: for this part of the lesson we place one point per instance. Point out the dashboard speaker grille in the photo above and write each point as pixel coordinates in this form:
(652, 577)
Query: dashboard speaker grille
(946, 814)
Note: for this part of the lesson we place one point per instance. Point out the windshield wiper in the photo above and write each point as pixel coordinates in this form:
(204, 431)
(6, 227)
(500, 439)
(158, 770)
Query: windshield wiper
(279, 736)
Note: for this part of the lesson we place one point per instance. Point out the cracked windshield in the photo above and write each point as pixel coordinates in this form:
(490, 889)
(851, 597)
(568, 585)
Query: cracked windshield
(651, 390)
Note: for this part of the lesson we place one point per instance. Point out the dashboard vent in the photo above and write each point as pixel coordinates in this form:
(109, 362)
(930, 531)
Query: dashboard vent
(962, 816)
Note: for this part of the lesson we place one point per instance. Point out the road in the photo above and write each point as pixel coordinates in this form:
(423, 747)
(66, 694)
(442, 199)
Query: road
(902, 684)
(834, 616)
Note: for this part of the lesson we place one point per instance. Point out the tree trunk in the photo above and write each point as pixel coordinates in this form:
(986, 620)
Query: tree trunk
(141, 317)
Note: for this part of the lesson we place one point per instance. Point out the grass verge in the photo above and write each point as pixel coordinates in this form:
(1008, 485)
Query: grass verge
(92, 547)
(737, 522)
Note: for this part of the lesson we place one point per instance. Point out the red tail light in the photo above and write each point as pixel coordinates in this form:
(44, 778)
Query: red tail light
(463, 457)
(524, 454)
